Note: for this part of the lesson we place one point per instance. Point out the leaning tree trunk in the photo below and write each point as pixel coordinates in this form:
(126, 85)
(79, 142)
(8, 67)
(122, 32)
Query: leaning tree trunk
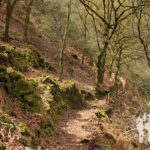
(9, 8)
(7, 23)
(27, 20)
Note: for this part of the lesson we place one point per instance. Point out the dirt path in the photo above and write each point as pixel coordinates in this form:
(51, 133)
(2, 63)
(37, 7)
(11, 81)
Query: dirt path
(76, 127)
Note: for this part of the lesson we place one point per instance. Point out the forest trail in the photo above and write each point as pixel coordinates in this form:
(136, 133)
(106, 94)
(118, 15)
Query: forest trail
(76, 127)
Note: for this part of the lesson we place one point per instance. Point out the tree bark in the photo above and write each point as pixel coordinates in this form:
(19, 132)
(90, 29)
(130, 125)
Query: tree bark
(85, 38)
(27, 20)
(9, 9)
(118, 66)
(64, 42)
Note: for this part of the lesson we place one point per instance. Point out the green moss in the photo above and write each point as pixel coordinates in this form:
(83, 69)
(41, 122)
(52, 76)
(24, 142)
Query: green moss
(20, 88)
(47, 107)
(36, 60)
(53, 87)
(2, 146)
(71, 93)
(14, 76)
(19, 64)
(100, 113)
(33, 83)
(23, 89)
(5, 119)
(32, 57)
(24, 130)
(39, 148)
(49, 80)
(34, 100)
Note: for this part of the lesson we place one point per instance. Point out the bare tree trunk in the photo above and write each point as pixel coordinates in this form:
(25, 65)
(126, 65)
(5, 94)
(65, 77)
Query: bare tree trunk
(85, 38)
(118, 66)
(110, 67)
(9, 8)
(64, 41)
(145, 46)
(27, 20)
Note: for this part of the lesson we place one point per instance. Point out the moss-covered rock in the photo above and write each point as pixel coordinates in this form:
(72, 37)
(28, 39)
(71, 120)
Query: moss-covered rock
(19, 64)
(36, 60)
(23, 89)
(32, 57)
(16, 60)
(34, 100)
(71, 93)
(53, 87)
(100, 113)
(20, 88)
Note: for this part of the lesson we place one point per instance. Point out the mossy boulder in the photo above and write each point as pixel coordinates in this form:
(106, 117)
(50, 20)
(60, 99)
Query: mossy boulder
(13, 58)
(34, 100)
(23, 89)
(53, 87)
(71, 93)
(20, 88)
(36, 60)
(33, 57)
(19, 64)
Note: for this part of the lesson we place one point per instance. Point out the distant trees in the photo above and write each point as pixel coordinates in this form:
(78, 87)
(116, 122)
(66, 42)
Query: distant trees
(143, 30)
(83, 18)
(107, 16)
(9, 8)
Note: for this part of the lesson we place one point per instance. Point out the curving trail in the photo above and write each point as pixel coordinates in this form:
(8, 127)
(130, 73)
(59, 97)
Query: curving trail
(76, 127)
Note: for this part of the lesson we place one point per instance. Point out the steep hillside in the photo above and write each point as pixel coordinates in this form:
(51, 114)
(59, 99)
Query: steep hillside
(39, 112)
